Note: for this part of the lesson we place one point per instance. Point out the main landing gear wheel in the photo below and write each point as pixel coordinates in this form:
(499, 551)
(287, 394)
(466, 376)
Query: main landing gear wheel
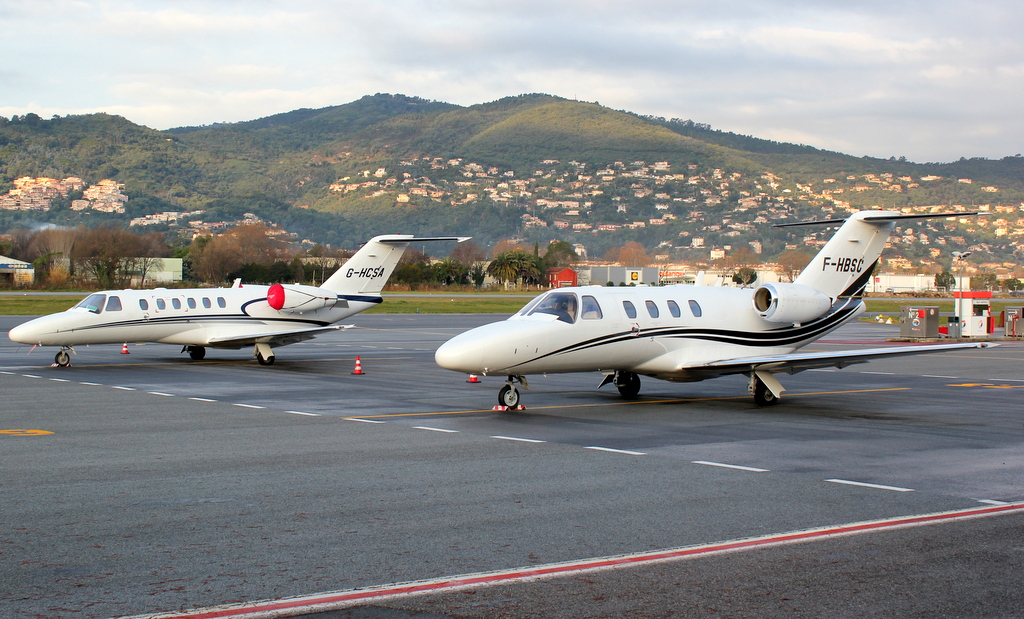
(508, 396)
(264, 360)
(63, 359)
(198, 353)
(763, 396)
(628, 384)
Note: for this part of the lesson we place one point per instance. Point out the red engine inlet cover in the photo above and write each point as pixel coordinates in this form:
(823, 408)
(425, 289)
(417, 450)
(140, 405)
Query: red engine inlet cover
(275, 296)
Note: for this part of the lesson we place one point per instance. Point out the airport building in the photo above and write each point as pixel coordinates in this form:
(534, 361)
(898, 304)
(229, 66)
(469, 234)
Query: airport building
(15, 272)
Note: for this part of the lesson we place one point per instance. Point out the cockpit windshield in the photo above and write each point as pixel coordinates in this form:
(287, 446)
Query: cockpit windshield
(92, 303)
(560, 304)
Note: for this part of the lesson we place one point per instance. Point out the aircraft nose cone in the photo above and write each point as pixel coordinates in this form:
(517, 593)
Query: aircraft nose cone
(23, 333)
(36, 331)
(460, 355)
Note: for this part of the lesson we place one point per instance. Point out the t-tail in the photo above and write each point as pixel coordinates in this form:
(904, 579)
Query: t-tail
(844, 265)
(368, 270)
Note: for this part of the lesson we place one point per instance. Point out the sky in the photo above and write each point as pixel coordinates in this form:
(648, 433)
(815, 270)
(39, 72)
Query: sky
(932, 81)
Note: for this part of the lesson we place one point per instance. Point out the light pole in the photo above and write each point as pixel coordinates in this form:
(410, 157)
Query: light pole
(960, 256)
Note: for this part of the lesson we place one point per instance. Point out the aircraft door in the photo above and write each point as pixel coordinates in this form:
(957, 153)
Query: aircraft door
(629, 315)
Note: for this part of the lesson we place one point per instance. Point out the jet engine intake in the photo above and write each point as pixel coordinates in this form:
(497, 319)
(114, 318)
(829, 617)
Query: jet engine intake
(790, 303)
(299, 298)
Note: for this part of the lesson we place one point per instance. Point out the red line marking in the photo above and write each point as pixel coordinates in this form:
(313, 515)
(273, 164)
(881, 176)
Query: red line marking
(340, 599)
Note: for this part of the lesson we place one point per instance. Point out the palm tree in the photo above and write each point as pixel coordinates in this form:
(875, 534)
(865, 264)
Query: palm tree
(504, 267)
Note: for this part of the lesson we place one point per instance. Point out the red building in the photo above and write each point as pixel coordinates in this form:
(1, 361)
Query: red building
(560, 277)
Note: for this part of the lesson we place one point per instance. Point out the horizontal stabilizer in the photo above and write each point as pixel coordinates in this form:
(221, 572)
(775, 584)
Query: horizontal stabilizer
(881, 218)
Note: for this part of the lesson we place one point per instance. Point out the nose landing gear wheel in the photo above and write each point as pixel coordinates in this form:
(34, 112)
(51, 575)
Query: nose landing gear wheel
(197, 352)
(508, 396)
(63, 359)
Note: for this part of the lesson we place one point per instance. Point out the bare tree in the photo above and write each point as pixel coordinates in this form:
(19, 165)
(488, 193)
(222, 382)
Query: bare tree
(108, 255)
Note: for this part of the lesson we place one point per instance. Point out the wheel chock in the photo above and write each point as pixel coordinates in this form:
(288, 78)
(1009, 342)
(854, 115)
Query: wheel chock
(499, 407)
(473, 379)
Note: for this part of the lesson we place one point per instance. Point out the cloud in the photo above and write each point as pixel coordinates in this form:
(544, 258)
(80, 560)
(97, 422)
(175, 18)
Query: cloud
(865, 77)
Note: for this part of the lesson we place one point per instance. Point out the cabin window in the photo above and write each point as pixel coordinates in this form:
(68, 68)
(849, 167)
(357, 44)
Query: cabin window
(114, 304)
(191, 303)
(93, 303)
(652, 309)
(560, 304)
(221, 302)
(674, 308)
(591, 309)
(206, 303)
(630, 309)
(176, 303)
(161, 304)
(695, 308)
(143, 304)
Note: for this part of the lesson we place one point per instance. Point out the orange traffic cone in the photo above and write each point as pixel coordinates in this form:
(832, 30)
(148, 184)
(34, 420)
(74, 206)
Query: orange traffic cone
(124, 349)
(473, 379)
(359, 366)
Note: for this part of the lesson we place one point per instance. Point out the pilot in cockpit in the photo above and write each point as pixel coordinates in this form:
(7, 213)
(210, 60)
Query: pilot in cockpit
(562, 305)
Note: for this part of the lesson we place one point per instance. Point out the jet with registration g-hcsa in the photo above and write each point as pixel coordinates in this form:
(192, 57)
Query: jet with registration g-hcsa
(687, 333)
(264, 317)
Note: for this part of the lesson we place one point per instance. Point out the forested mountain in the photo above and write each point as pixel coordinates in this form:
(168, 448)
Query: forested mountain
(536, 167)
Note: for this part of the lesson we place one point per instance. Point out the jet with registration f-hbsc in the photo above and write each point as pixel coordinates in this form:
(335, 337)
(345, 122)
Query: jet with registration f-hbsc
(685, 333)
(264, 317)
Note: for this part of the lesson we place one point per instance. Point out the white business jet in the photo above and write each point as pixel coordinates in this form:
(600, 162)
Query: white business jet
(263, 317)
(684, 333)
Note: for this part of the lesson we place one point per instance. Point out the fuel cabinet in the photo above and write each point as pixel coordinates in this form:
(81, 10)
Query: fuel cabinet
(919, 321)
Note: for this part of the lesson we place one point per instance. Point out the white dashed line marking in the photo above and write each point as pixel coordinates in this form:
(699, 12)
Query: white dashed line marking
(880, 373)
(202, 399)
(124, 388)
(992, 502)
(936, 376)
(516, 438)
(166, 395)
(731, 466)
(363, 420)
(249, 406)
(866, 485)
(302, 413)
(8, 373)
(617, 451)
(60, 380)
(31, 376)
(91, 384)
(436, 429)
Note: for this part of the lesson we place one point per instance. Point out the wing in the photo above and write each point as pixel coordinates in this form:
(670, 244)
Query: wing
(798, 362)
(274, 338)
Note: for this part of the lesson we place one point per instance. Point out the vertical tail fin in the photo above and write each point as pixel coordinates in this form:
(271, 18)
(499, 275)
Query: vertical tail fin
(844, 265)
(369, 269)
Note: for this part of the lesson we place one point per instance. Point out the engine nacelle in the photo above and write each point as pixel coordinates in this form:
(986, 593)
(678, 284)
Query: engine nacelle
(792, 303)
(299, 298)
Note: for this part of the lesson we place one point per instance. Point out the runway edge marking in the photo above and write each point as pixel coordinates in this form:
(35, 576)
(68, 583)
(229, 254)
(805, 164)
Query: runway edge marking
(322, 602)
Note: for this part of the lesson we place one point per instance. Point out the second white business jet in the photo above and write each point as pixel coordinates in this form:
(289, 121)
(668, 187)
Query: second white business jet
(685, 333)
(263, 317)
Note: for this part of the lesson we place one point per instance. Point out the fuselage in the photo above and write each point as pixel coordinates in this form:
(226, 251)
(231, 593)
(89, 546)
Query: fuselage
(663, 332)
(189, 317)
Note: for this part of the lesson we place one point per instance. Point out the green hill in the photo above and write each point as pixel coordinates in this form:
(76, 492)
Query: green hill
(522, 166)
